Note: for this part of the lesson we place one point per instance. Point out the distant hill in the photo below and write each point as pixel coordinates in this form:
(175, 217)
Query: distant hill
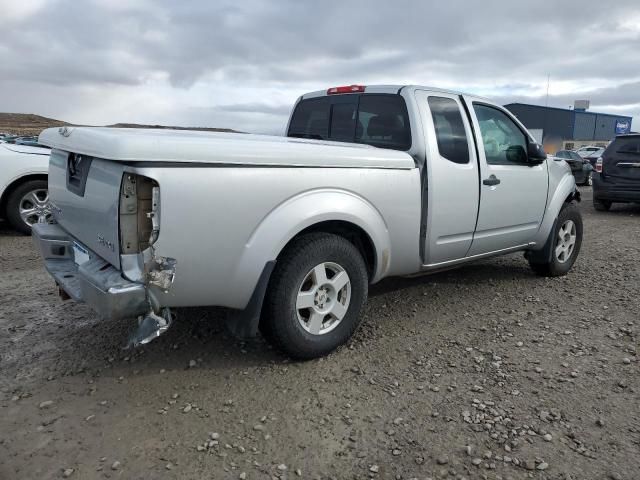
(30, 124)
(26, 123)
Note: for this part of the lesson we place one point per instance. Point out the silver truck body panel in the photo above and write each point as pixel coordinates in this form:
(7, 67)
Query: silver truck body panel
(510, 213)
(222, 245)
(450, 226)
(562, 184)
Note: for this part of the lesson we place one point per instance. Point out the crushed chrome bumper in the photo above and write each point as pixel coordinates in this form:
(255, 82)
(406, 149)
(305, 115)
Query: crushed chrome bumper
(95, 282)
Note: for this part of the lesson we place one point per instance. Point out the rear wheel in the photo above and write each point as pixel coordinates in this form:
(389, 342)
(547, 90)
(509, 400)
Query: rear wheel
(315, 295)
(28, 204)
(589, 180)
(601, 205)
(566, 240)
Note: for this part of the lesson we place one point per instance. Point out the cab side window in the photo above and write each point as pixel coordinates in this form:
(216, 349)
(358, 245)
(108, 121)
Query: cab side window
(630, 147)
(504, 142)
(450, 132)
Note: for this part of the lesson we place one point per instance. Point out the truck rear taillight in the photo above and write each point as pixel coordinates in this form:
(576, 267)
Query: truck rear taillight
(599, 165)
(139, 209)
(346, 89)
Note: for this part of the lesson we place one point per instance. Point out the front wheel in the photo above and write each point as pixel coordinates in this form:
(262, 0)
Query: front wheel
(566, 240)
(588, 182)
(315, 295)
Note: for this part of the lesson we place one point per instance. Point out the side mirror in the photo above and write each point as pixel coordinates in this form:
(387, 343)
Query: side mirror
(536, 153)
(516, 154)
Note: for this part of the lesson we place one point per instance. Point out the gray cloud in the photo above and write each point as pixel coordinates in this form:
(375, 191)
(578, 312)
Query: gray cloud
(623, 96)
(226, 61)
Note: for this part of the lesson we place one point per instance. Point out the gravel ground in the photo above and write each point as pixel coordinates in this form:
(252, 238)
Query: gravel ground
(483, 372)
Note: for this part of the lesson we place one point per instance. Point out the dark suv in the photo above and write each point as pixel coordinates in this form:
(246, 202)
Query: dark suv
(617, 174)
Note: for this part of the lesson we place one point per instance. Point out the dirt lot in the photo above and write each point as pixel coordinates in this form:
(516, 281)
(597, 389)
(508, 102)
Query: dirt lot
(483, 372)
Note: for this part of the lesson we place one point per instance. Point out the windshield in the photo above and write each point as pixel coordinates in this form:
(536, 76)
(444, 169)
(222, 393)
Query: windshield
(380, 120)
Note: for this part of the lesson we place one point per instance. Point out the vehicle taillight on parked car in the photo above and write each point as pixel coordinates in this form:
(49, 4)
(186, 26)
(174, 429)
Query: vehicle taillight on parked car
(599, 165)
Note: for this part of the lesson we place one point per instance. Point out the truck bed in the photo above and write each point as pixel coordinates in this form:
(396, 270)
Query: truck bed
(185, 146)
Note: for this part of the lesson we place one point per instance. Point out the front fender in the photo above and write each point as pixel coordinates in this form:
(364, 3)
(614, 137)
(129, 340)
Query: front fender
(564, 190)
(304, 210)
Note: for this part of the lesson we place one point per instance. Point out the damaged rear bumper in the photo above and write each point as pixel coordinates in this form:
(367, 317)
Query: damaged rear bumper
(94, 282)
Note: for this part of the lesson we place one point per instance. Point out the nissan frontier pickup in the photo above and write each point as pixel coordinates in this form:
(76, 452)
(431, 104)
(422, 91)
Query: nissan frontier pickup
(289, 232)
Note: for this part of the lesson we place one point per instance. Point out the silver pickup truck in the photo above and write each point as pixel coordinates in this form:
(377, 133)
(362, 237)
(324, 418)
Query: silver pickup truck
(288, 232)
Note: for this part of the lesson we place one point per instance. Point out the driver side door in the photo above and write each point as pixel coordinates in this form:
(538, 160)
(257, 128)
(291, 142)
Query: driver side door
(513, 192)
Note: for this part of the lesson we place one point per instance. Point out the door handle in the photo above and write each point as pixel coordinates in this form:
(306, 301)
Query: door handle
(491, 181)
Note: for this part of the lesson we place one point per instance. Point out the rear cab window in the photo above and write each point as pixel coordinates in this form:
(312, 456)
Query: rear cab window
(450, 132)
(380, 120)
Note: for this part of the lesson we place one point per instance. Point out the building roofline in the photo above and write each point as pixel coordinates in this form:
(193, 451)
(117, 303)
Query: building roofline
(568, 110)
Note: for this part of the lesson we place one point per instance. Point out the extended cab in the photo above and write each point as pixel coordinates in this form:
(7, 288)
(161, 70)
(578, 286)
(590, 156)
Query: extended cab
(288, 232)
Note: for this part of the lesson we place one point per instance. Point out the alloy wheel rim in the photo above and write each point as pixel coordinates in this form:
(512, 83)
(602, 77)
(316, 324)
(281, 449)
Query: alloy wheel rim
(323, 298)
(34, 207)
(566, 241)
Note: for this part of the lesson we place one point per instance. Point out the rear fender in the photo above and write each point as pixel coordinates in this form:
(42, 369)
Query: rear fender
(305, 210)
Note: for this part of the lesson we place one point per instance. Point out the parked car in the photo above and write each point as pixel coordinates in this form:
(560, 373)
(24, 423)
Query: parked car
(24, 198)
(587, 150)
(593, 156)
(28, 141)
(289, 232)
(617, 177)
(580, 167)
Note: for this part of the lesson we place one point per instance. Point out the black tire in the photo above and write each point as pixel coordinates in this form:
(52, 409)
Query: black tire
(601, 205)
(555, 267)
(280, 315)
(13, 204)
(588, 181)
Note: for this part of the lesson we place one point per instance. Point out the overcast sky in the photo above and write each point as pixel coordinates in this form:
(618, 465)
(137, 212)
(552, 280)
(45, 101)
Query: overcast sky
(241, 64)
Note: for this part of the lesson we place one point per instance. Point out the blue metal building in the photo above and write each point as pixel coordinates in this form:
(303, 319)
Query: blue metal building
(561, 124)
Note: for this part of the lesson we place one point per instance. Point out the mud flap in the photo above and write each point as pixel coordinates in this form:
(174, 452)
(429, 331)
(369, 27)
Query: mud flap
(243, 324)
(543, 255)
